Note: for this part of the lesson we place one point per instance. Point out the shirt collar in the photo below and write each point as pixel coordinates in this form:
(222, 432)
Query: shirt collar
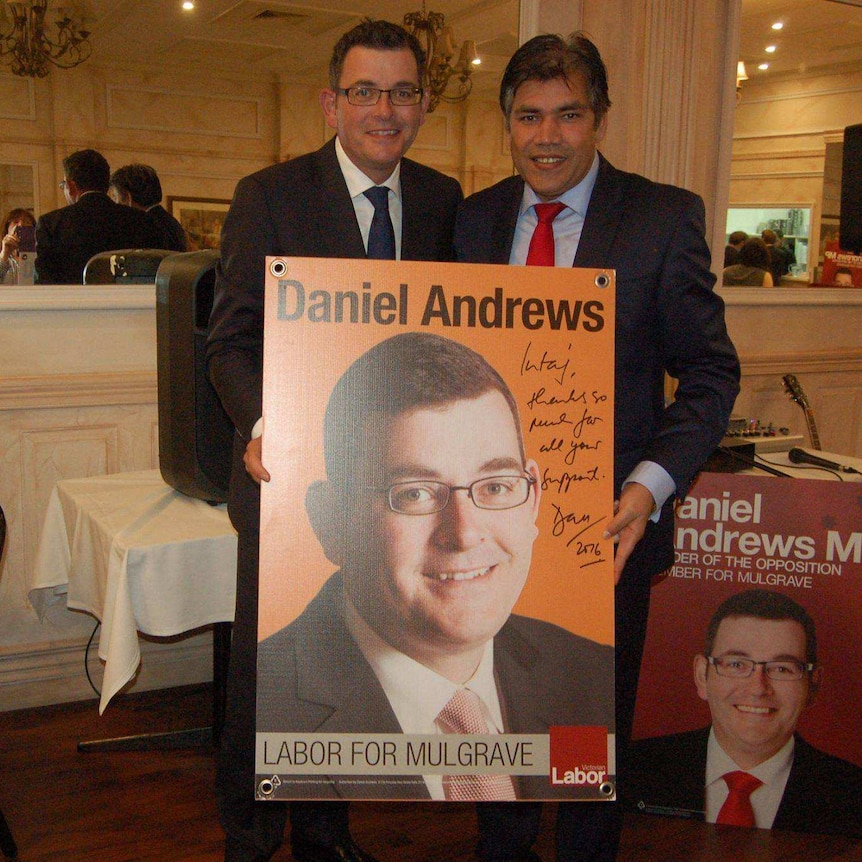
(402, 677)
(718, 762)
(576, 198)
(358, 182)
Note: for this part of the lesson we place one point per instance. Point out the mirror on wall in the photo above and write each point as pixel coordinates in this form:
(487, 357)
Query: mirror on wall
(793, 222)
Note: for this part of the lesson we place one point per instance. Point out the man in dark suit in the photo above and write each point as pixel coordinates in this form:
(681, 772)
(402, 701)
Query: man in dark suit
(420, 614)
(555, 98)
(758, 672)
(311, 206)
(139, 186)
(92, 223)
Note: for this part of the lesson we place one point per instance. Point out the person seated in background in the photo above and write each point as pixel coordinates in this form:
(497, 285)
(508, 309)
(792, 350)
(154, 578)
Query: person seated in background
(780, 257)
(758, 673)
(138, 186)
(733, 247)
(68, 237)
(10, 243)
(753, 267)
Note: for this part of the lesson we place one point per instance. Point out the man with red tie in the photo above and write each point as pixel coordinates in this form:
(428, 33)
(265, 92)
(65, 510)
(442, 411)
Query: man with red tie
(570, 207)
(758, 673)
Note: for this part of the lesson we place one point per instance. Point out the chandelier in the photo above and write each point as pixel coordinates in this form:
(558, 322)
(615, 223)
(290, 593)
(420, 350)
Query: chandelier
(438, 40)
(28, 44)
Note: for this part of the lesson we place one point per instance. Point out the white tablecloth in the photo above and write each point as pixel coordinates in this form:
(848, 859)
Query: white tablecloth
(139, 556)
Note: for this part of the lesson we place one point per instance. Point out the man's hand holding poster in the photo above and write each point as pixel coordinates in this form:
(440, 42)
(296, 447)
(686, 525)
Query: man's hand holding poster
(436, 595)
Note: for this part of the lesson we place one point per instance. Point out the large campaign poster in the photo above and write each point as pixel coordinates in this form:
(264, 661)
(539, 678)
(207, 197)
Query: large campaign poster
(767, 570)
(436, 594)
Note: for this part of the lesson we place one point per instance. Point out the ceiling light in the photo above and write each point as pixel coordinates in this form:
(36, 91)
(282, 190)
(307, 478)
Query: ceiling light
(778, 25)
(188, 5)
(763, 67)
(770, 49)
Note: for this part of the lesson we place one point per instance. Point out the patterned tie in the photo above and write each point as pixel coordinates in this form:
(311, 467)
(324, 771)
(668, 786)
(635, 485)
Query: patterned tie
(381, 237)
(737, 810)
(542, 243)
(463, 714)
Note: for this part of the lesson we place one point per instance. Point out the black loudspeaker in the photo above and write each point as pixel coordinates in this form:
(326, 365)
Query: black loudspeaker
(851, 191)
(126, 266)
(195, 433)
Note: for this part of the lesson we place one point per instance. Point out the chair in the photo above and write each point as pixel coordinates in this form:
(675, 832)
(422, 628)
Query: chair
(7, 842)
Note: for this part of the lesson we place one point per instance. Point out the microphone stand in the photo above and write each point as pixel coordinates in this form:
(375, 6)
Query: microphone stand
(752, 462)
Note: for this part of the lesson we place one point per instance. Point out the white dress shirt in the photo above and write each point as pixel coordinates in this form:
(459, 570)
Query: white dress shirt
(766, 799)
(416, 693)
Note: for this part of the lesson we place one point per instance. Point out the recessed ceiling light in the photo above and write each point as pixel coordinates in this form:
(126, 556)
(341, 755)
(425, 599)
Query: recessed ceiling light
(778, 25)
(188, 5)
(770, 49)
(763, 67)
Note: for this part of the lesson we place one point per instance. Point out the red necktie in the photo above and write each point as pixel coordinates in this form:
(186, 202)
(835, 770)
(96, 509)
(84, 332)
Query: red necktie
(737, 810)
(542, 243)
(462, 714)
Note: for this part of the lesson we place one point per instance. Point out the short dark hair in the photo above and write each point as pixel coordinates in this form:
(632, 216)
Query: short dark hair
(737, 237)
(89, 170)
(764, 605)
(379, 36)
(770, 237)
(405, 372)
(141, 182)
(548, 57)
(754, 252)
(18, 214)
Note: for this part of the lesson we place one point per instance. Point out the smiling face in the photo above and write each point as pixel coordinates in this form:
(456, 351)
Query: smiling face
(553, 134)
(754, 717)
(438, 587)
(375, 137)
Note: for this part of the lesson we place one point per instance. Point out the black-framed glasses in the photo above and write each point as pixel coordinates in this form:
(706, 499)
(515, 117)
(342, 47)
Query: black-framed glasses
(742, 668)
(401, 97)
(425, 497)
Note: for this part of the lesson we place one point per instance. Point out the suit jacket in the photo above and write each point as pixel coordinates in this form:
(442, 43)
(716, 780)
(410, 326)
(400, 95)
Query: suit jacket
(300, 208)
(313, 678)
(68, 237)
(173, 235)
(823, 793)
(668, 319)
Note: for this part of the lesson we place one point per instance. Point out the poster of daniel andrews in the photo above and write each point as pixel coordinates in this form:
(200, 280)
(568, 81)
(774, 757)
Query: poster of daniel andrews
(436, 595)
(748, 705)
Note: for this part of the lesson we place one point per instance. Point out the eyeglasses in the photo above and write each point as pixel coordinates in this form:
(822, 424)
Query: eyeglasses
(742, 668)
(424, 497)
(401, 97)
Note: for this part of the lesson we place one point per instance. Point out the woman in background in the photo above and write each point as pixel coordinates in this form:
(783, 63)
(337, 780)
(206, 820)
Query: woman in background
(10, 243)
(753, 267)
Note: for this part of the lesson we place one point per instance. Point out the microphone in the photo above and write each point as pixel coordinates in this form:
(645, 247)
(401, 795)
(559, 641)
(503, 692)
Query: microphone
(800, 456)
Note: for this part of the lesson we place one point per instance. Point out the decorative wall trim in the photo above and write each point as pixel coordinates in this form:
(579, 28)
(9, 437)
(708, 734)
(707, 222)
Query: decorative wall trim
(15, 107)
(78, 390)
(801, 94)
(43, 674)
(773, 175)
(841, 362)
(200, 106)
(784, 296)
(94, 297)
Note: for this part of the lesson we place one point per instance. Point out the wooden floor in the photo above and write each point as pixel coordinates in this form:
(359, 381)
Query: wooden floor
(64, 806)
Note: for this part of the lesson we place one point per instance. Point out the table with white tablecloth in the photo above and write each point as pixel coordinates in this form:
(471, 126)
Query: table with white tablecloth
(140, 557)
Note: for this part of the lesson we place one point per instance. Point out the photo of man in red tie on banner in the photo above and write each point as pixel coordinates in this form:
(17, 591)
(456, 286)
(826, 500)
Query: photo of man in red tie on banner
(751, 717)
(436, 611)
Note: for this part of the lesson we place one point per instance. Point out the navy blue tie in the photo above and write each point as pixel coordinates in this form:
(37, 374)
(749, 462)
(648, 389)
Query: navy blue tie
(381, 237)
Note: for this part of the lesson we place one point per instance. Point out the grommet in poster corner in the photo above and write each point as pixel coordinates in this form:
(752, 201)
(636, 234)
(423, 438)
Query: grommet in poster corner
(603, 279)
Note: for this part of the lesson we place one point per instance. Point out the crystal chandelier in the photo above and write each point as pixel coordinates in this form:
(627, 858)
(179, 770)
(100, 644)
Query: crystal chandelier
(438, 40)
(28, 44)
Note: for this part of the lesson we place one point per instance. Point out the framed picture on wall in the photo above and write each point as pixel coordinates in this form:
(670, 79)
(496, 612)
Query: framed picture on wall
(202, 219)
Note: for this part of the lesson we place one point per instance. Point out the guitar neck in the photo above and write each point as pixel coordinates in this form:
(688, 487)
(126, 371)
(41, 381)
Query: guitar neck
(812, 428)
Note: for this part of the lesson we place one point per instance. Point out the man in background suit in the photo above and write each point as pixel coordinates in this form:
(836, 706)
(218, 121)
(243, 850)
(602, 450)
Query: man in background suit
(429, 511)
(554, 96)
(139, 186)
(92, 223)
(758, 672)
(312, 206)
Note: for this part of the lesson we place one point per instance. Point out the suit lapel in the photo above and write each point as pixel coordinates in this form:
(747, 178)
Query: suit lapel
(503, 230)
(603, 217)
(338, 230)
